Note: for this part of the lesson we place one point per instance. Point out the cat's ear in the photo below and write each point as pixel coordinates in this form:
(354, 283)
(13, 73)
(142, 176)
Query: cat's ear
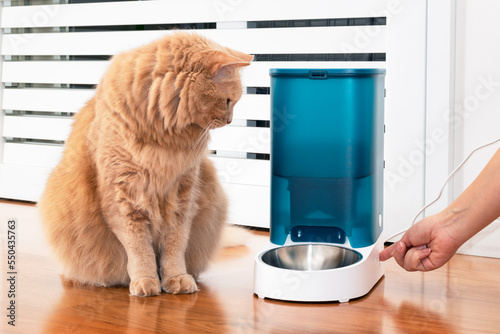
(223, 62)
(240, 55)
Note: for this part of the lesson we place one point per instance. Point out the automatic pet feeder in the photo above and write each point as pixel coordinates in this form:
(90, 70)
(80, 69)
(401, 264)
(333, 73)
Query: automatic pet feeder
(326, 185)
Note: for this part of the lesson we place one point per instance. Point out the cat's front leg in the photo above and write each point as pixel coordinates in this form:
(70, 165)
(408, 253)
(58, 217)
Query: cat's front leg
(141, 261)
(179, 216)
(175, 278)
(133, 229)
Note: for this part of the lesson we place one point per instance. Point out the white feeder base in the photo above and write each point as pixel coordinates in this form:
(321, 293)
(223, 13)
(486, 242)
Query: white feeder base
(339, 284)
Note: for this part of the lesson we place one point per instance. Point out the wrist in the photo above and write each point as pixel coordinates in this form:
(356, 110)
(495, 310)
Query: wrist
(455, 221)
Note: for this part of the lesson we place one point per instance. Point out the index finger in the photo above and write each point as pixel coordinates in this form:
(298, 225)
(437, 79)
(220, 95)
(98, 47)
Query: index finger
(387, 253)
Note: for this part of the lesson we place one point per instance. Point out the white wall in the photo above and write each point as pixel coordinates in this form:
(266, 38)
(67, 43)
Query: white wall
(404, 114)
(477, 92)
(462, 101)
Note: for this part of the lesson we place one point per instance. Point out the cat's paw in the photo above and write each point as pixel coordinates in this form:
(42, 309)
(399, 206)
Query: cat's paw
(180, 284)
(145, 287)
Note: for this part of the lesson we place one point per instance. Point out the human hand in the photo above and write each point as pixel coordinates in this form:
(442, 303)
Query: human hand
(426, 246)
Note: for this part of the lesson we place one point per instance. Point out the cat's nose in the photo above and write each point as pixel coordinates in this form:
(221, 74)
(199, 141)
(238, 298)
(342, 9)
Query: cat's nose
(229, 121)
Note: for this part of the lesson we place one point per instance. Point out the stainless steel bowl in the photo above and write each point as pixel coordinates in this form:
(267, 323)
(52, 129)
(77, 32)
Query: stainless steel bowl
(310, 257)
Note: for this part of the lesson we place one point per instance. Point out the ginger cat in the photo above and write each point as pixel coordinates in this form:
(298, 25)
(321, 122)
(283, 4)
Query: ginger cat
(135, 200)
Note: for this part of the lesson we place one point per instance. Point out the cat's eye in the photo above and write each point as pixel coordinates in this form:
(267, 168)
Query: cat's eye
(228, 100)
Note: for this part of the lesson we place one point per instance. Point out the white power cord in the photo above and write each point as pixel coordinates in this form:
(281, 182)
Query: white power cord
(442, 189)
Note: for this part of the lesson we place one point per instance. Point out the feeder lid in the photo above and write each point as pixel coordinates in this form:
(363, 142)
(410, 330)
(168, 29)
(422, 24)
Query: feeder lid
(325, 72)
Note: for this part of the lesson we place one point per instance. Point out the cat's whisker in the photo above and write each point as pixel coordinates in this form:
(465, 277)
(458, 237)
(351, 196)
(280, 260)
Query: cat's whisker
(212, 124)
(200, 141)
(203, 136)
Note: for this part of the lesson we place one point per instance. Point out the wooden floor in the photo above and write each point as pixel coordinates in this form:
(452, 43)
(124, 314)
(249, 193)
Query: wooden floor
(463, 297)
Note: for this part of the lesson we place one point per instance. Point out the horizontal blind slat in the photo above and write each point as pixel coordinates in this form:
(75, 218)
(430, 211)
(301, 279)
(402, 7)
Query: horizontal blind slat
(46, 99)
(241, 139)
(90, 72)
(257, 74)
(54, 72)
(253, 106)
(284, 40)
(248, 205)
(22, 182)
(32, 154)
(193, 11)
(236, 139)
(243, 171)
(44, 128)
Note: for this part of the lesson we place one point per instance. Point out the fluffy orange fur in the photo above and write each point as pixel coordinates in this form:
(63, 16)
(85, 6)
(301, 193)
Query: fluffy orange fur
(135, 200)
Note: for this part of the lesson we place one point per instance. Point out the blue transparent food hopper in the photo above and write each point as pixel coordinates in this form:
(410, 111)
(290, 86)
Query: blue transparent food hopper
(327, 129)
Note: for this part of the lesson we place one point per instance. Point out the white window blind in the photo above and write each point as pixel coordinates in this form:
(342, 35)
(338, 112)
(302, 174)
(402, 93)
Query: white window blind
(54, 53)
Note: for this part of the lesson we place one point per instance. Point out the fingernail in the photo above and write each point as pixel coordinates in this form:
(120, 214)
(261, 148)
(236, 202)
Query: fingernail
(425, 252)
(400, 246)
(422, 247)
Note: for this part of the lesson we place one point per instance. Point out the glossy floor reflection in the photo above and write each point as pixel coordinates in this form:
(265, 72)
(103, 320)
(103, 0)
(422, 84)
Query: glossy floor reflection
(462, 297)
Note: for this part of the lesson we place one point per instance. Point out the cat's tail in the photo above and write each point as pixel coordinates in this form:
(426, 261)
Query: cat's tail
(234, 236)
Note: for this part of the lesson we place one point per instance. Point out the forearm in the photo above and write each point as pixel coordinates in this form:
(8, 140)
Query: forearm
(478, 205)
